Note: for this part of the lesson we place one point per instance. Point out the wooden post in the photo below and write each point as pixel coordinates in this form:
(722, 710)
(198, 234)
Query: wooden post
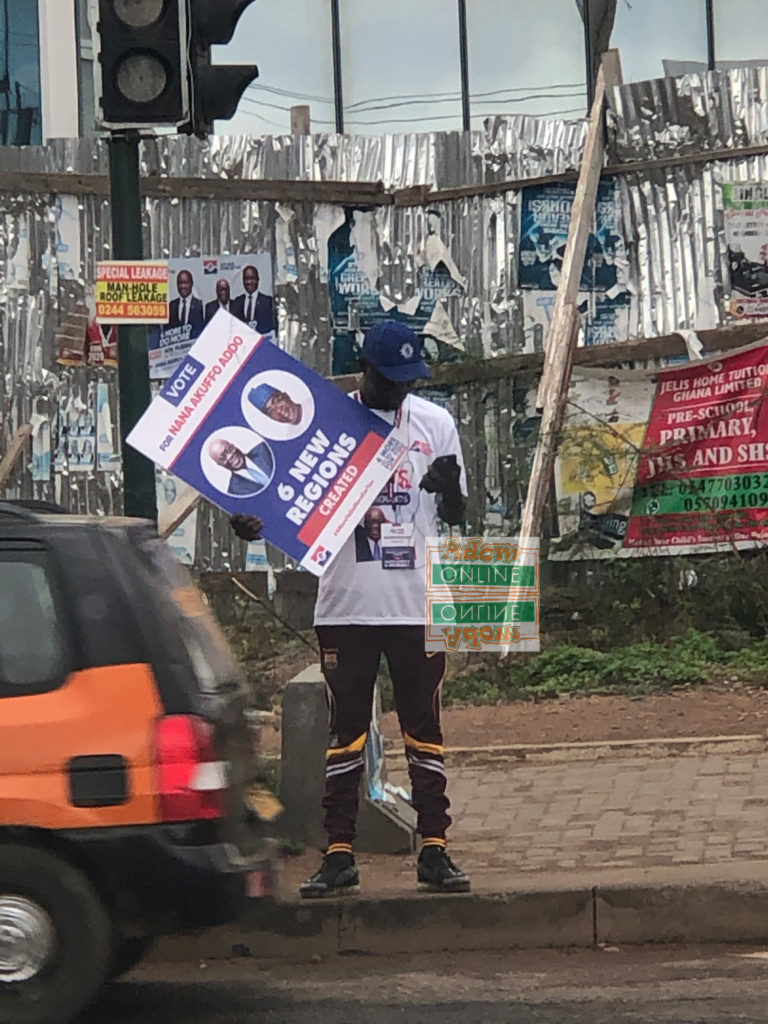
(300, 122)
(563, 333)
(15, 450)
(186, 503)
(551, 421)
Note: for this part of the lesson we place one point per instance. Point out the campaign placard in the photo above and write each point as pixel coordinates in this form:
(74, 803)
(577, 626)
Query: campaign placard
(132, 292)
(257, 432)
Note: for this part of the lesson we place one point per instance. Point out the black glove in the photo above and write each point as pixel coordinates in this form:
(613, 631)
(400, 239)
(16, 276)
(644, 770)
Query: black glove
(442, 477)
(246, 527)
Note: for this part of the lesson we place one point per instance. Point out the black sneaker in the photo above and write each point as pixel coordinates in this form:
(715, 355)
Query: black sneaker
(437, 872)
(336, 877)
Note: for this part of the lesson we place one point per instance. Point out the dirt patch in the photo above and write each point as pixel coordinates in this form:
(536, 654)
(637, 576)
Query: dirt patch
(709, 711)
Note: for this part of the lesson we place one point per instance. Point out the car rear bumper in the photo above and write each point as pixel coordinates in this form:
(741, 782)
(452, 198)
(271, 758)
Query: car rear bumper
(170, 878)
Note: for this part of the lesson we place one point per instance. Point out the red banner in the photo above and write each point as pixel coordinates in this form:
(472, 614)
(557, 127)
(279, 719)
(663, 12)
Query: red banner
(702, 477)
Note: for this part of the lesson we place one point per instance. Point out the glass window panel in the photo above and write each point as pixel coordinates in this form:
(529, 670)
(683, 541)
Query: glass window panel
(401, 66)
(290, 40)
(21, 118)
(31, 647)
(660, 37)
(526, 58)
(741, 31)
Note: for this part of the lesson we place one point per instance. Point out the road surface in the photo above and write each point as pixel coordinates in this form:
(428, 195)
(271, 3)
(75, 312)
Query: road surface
(652, 985)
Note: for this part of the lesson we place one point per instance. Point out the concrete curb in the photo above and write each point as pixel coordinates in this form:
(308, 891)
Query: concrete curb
(665, 746)
(692, 905)
(677, 746)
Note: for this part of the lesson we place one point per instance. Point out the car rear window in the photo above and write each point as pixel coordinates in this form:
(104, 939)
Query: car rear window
(33, 650)
(203, 638)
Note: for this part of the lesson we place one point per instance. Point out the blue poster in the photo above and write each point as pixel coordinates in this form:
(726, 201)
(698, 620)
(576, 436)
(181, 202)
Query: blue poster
(604, 296)
(257, 432)
(357, 303)
(545, 218)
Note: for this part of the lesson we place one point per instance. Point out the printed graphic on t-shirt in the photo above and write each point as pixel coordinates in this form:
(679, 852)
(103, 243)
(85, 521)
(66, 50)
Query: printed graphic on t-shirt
(368, 536)
(379, 575)
(396, 505)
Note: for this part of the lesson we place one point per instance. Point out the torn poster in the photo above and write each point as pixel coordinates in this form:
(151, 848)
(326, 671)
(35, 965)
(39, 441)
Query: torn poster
(604, 296)
(41, 447)
(170, 490)
(107, 456)
(360, 299)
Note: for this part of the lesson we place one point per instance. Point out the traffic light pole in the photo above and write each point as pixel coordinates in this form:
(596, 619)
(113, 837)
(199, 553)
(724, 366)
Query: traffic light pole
(133, 369)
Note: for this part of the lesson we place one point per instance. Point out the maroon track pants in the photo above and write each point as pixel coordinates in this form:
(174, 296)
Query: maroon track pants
(350, 662)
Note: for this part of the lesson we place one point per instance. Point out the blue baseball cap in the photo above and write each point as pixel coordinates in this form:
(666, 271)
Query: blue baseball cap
(259, 396)
(395, 351)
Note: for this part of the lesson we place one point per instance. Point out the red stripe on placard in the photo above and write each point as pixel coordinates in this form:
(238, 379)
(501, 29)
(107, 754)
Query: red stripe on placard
(333, 500)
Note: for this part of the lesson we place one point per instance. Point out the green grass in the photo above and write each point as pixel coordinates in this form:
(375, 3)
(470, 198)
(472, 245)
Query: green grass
(690, 660)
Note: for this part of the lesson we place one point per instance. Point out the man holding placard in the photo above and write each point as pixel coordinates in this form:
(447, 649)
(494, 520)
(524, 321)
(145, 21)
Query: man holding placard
(371, 601)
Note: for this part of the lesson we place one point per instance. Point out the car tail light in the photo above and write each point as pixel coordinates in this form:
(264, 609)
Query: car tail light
(192, 780)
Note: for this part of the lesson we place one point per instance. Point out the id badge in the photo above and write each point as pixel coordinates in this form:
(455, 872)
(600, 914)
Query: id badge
(397, 547)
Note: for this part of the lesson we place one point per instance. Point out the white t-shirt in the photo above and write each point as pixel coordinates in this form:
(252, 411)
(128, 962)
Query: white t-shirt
(356, 589)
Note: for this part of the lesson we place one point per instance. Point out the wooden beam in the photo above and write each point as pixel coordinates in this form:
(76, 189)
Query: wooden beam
(641, 350)
(34, 183)
(582, 220)
(549, 428)
(186, 503)
(350, 193)
(560, 344)
(353, 193)
(14, 453)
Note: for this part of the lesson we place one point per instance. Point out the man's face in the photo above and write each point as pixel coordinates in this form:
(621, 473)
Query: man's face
(281, 408)
(227, 455)
(378, 392)
(184, 284)
(250, 279)
(374, 517)
(222, 291)
(169, 489)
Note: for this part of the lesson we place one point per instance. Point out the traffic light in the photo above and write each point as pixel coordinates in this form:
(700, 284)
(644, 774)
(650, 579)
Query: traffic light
(143, 63)
(156, 69)
(215, 89)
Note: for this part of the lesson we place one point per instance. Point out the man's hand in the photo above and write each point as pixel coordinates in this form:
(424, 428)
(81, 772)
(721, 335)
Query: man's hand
(442, 477)
(247, 527)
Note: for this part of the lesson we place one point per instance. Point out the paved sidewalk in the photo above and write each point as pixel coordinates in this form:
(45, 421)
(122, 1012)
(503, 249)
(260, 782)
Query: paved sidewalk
(657, 846)
(525, 822)
(634, 812)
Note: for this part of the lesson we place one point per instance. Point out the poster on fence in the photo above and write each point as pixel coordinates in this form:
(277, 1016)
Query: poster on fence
(361, 295)
(604, 297)
(674, 462)
(199, 288)
(745, 209)
(257, 432)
